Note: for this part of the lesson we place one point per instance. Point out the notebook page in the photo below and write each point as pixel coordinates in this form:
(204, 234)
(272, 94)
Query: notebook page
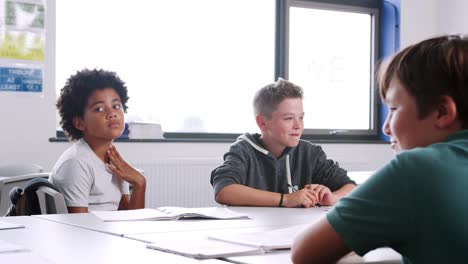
(133, 215)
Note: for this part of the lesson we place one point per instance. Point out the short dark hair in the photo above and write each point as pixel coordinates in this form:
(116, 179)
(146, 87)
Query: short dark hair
(269, 97)
(428, 70)
(78, 88)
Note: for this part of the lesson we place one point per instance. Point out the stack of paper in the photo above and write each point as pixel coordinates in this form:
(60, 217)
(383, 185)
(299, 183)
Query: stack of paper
(143, 130)
(168, 213)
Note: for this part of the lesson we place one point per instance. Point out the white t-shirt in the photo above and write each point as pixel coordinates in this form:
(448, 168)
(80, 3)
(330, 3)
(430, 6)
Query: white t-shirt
(84, 180)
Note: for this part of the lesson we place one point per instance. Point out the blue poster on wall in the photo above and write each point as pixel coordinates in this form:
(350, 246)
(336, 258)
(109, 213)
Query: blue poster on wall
(20, 80)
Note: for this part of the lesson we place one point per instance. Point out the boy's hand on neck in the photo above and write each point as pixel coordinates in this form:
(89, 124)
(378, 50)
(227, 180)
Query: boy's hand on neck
(119, 167)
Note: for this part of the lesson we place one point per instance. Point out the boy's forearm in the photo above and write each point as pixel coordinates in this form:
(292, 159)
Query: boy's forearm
(318, 244)
(343, 191)
(137, 198)
(239, 195)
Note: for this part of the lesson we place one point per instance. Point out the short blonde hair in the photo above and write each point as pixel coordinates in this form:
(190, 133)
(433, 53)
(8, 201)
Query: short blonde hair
(269, 97)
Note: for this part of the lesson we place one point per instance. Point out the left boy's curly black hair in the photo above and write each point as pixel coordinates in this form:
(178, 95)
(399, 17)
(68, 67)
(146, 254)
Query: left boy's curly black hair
(78, 88)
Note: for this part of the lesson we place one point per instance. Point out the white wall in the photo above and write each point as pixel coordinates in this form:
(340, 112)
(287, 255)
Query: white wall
(27, 121)
(421, 19)
(452, 16)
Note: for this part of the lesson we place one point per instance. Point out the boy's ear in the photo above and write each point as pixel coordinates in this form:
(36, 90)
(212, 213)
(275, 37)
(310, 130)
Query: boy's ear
(78, 123)
(261, 122)
(446, 112)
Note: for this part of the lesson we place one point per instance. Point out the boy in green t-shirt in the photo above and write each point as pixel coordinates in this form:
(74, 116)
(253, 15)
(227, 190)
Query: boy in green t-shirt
(416, 204)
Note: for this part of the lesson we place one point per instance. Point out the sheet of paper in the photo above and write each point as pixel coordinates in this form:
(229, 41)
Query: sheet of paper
(6, 225)
(268, 240)
(10, 247)
(203, 248)
(202, 212)
(168, 213)
(132, 215)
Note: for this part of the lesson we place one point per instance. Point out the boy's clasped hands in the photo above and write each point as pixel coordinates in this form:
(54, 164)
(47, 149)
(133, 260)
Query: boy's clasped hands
(309, 196)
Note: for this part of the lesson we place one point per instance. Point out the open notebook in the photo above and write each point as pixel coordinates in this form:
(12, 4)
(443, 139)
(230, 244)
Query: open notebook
(168, 213)
(231, 244)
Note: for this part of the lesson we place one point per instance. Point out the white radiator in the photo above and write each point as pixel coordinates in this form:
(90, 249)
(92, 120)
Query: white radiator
(179, 182)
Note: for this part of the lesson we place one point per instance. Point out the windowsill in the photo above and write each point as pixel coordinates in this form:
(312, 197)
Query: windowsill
(230, 138)
(163, 140)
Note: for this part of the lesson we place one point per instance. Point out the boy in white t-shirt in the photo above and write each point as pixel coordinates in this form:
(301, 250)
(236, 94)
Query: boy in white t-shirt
(91, 174)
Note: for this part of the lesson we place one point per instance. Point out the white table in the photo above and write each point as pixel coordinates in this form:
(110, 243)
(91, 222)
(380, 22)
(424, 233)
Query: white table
(259, 217)
(380, 256)
(297, 216)
(52, 242)
(88, 233)
(360, 176)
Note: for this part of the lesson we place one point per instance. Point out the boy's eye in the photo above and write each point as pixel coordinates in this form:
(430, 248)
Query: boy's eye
(392, 108)
(99, 109)
(118, 107)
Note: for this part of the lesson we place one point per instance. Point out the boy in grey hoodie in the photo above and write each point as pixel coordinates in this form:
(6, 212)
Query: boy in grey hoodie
(277, 168)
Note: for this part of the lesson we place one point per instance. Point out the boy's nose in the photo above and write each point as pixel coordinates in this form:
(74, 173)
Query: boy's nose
(386, 127)
(297, 124)
(111, 114)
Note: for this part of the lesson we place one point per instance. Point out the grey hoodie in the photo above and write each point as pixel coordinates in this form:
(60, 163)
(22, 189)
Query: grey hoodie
(248, 163)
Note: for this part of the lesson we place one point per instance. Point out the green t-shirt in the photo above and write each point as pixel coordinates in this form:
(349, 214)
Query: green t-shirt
(417, 204)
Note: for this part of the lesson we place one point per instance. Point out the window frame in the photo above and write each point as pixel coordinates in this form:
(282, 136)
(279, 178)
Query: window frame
(282, 61)
(280, 58)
